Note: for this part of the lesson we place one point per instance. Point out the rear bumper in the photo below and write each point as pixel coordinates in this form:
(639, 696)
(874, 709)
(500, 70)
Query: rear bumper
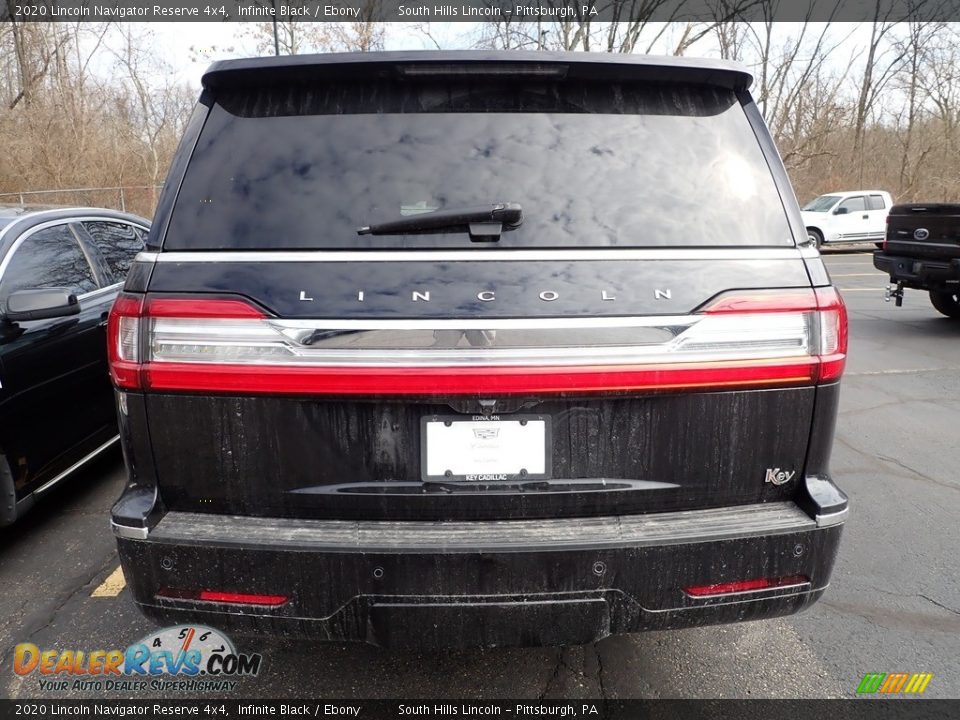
(537, 582)
(919, 273)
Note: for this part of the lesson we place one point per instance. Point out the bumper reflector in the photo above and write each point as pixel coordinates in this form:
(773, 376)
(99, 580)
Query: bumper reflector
(219, 596)
(242, 598)
(742, 586)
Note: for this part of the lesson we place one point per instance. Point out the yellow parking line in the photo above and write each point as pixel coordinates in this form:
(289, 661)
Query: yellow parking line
(112, 586)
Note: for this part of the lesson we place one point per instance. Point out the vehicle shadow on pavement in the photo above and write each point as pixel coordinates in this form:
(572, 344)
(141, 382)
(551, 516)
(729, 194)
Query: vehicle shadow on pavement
(88, 491)
(358, 670)
(746, 660)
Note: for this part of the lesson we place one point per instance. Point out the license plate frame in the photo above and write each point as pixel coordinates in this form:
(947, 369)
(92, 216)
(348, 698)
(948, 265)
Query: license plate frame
(471, 422)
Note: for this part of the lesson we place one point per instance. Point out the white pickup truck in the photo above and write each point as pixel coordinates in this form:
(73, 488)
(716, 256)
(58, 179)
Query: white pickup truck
(847, 217)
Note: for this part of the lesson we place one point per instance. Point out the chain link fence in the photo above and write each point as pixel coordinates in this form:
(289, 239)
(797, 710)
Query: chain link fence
(137, 199)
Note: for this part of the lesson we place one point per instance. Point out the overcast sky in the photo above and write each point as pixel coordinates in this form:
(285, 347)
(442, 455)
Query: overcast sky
(189, 47)
(180, 42)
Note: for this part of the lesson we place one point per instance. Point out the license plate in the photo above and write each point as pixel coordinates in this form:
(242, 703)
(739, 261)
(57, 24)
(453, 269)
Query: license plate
(481, 449)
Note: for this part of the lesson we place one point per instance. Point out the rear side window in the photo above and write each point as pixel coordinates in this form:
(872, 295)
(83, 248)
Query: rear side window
(49, 258)
(876, 202)
(611, 164)
(854, 204)
(118, 243)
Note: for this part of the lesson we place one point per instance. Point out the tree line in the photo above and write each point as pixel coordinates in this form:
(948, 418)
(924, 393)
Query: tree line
(873, 105)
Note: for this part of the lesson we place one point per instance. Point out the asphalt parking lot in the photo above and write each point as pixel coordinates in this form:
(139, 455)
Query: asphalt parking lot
(894, 603)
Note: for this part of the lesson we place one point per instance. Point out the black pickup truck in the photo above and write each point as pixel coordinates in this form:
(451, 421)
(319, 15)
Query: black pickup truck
(922, 251)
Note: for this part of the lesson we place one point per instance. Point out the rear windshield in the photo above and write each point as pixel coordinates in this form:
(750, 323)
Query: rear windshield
(612, 164)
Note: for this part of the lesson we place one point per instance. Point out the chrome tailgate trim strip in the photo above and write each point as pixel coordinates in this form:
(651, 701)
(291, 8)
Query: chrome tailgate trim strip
(331, 256)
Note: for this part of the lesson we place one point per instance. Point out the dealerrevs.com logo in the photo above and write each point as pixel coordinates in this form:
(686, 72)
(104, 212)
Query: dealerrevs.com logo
(182, 657)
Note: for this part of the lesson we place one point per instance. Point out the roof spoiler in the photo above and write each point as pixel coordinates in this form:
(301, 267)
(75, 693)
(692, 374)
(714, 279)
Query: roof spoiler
(581, 65)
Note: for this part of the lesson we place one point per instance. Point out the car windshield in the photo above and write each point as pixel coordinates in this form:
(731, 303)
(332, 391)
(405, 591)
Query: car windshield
(822, 203)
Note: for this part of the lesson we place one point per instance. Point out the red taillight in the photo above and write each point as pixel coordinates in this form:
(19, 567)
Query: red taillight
(741, 586)
(741, 339)
(123, 341)
(471, 380)
(763, 301)
(202, 308)
(824, 305)
(833, 333)
(126, 329)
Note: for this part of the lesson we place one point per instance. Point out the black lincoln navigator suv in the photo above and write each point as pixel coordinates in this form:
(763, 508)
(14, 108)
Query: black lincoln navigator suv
(476, 348)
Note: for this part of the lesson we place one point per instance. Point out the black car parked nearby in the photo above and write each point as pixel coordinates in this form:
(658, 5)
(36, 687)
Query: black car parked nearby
(60, 271)
(477, 348)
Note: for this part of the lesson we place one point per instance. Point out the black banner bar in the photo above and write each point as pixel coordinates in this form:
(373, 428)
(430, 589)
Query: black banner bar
(853, 709)
(572, 11)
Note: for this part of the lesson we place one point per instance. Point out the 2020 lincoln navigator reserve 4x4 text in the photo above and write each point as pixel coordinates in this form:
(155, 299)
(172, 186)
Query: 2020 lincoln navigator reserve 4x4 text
(476, 348)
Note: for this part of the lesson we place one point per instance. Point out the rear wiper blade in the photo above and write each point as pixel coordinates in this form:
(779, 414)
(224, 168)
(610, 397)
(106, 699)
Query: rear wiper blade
(484, 223)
